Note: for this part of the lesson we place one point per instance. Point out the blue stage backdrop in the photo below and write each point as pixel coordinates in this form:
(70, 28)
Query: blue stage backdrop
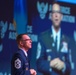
(13, 21)
(33, 17)
(7, 36)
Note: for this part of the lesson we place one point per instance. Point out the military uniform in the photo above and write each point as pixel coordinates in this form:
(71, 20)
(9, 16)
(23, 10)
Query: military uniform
(19, 64)
(47, 52)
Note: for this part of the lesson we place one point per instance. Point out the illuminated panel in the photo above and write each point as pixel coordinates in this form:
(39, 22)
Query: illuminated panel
(68, 1)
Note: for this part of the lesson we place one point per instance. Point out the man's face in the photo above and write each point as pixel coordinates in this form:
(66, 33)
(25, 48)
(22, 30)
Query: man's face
(56, 15)
(26, 42)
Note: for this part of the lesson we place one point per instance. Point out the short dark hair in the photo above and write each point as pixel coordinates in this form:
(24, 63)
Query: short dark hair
(19, 37)
(55, 2)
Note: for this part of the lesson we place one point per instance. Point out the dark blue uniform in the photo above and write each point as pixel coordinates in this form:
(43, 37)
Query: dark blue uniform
(48, 52)
(20, 64)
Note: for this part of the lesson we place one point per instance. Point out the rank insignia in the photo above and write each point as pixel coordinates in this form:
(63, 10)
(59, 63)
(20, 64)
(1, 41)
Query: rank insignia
(18, 63)
(64, 47)
(49, 58)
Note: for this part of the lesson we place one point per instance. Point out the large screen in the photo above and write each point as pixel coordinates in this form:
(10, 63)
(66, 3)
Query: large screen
(33, 17)
(39, 21)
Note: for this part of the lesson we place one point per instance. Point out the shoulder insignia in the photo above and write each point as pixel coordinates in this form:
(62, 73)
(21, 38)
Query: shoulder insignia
(18, 63)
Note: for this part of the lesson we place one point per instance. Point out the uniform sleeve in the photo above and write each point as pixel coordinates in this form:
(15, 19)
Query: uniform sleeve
(42, 64)
(67, 62)
(17, 66)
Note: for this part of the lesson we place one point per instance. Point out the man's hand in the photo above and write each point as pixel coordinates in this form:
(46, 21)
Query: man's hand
(57, 63)
(33, 72)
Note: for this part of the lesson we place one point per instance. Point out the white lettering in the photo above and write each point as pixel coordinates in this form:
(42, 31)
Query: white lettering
(50, 7)
(29, 29)
(11, 26)
(12, 35)
(67, 18)
(65, 10)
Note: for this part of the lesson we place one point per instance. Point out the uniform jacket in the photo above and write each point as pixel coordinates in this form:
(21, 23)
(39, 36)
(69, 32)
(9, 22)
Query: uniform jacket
(48, 52)
(20, 64)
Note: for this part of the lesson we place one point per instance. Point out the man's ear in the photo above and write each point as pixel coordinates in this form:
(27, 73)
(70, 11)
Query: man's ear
(61, 16)
(21, 43)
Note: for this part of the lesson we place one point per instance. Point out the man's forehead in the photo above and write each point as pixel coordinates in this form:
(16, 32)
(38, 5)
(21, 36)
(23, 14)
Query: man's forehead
(25, 37)
(56, 7)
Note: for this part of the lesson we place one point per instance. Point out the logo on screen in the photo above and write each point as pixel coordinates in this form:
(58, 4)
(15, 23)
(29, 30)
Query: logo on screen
(3, 29)
(75, 36)
(42, 9)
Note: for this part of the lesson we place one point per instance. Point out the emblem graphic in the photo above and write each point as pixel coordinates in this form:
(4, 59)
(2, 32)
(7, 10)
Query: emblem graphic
(3, 29)
(42, 9)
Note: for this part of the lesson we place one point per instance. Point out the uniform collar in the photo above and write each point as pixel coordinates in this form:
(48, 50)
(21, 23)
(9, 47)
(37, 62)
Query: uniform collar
(54, 33)
(24, 51)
